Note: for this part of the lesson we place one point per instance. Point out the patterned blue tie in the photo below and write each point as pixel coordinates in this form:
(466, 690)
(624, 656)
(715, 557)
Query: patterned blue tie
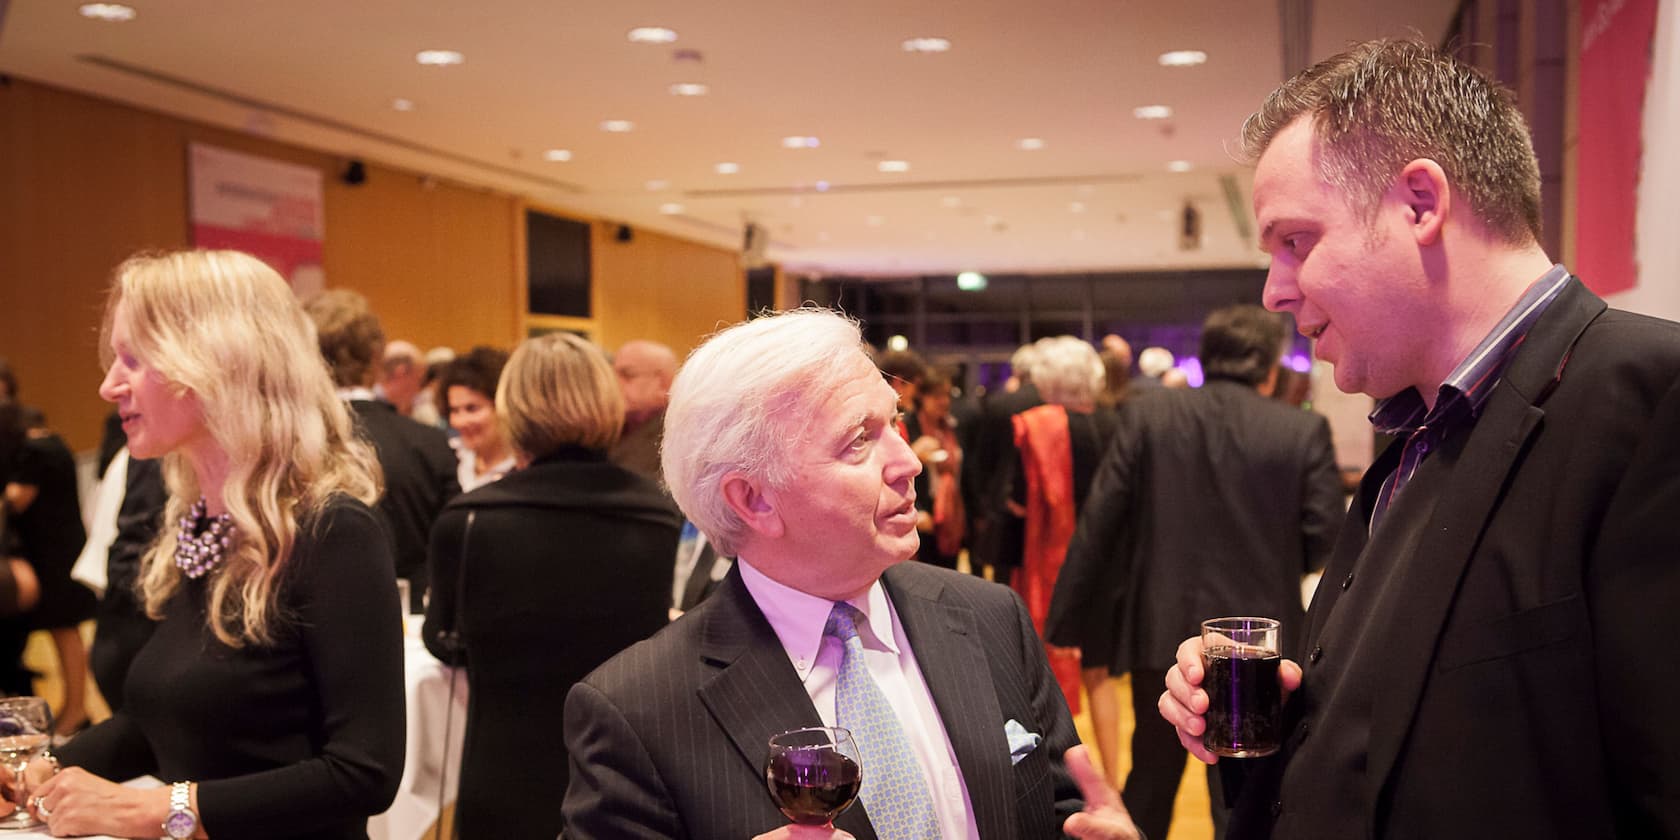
(895, 794)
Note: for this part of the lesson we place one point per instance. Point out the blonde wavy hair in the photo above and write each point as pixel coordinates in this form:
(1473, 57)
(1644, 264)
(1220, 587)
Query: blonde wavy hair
(226, 327)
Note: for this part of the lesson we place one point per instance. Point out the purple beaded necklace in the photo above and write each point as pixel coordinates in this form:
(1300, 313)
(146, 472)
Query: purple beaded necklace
(200, 545)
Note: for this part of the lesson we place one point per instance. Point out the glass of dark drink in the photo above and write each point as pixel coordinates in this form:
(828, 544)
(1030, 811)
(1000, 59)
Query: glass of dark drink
(814, 774)
(1240, 675)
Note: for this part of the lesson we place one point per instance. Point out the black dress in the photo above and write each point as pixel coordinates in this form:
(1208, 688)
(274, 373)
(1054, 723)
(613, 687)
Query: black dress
(569, 561)
(301, 738)
(50, 533)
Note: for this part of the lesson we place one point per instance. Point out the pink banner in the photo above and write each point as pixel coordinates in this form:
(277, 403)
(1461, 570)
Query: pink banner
(1615, 66)
(266, 208)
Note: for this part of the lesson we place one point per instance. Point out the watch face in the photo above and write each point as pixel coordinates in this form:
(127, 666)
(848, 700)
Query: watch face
(180, 824)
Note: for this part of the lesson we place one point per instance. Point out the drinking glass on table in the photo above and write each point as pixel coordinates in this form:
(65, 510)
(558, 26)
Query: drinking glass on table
(1240, 659)
(25, 730)
(814, 774)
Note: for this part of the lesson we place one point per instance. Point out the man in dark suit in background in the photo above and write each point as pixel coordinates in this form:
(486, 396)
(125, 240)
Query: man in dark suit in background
(418, 464)
(1210, 502)
(1485, 654)
(997, 537)
(781, 445)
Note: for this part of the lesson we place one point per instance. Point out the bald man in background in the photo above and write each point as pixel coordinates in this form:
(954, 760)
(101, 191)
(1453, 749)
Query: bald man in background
(645, 370)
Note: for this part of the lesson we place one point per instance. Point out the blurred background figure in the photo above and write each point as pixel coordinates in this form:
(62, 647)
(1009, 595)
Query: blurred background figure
(118, 544)
(402, 373)
(275, 675)
(903, 369)
(19, 589)
(996, 534)
(418, 466)
(645, 370)
(542, 576)
(429, 405)
(1060, 444)
(1153, 363)
(468, 385)
(1210, 502)
(43, 509)
(932, 433)
(1116, 356)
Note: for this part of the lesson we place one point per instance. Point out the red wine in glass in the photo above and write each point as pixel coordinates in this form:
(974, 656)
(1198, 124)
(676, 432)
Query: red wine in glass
(813, 774)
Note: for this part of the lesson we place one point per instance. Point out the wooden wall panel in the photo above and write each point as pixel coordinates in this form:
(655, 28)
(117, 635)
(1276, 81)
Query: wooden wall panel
(664, 289)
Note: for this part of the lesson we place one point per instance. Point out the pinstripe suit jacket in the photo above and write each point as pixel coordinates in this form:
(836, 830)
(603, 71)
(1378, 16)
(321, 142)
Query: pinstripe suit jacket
(669, 738)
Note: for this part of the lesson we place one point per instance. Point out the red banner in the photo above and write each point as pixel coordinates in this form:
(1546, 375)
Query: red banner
(1616, 37)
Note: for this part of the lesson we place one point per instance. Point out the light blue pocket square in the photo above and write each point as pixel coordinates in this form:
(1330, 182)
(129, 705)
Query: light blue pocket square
(1021, 741)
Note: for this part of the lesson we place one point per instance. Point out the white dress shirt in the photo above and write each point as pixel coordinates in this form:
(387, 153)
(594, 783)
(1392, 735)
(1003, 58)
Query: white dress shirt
(798, 620)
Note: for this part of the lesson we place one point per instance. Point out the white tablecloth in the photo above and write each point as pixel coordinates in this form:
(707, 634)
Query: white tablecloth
(427, 691)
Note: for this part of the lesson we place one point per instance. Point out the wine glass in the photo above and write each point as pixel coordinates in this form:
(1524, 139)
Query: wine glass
(25, 730)
(814, 773)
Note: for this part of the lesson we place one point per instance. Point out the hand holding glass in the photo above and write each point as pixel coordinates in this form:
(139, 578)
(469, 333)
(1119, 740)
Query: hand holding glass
(25, 730)
(813, 774)
(1240, 662)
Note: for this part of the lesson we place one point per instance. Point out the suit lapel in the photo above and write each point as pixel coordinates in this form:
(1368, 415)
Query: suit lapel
(756, 693)
(1491, 453)
(947, 644)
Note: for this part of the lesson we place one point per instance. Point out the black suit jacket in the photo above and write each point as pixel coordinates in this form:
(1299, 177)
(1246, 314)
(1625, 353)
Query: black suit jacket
(420, 478)
(1521, 685)
(1209, 502)
(669, 738)
(988, 470)
(569, 562)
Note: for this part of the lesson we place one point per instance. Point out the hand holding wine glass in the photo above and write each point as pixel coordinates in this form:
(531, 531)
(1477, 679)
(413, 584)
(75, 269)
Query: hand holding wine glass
(25, 731)
(813, 774)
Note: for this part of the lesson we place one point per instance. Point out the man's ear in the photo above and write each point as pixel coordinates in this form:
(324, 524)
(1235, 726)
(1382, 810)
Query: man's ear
(747, 499)
(1422, 191)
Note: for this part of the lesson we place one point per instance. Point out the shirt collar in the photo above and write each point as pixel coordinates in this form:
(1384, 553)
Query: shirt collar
(798, 617)
(1473, 380)
(363, 394)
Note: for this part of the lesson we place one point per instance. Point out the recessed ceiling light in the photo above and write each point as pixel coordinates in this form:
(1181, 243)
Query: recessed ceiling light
(689, 89)
(1030, 144)
(113, 12)
(927, 45)
(1076, 207)
(1178, 166)
(402, 104)
(558, 155)
(1183, 58)
(617, 126)
(658, 185)
(1152, 112)
(800, 142)
(727, 168)
(651, 35)
(893, 166)
(822, 186)
(672, 209)
(950, 201)
(875, 221)
(439, 58)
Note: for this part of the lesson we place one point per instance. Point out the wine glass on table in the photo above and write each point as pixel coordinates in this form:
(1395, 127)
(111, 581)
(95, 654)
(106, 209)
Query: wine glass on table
(25, 730)
(814, 774)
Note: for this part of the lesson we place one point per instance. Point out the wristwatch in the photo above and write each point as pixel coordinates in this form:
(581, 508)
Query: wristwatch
(182, 822)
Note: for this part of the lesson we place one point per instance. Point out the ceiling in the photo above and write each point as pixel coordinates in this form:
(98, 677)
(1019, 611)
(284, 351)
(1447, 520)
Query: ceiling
(541, 74)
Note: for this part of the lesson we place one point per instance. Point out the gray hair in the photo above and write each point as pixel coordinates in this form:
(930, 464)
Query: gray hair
(1068, 371)
(735, 402)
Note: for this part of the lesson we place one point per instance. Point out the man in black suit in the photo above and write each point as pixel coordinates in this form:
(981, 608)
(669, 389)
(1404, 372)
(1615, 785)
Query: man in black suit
(780, 445)
(996, 536)
(418, 464)
(1210, 502)
(1484, 653)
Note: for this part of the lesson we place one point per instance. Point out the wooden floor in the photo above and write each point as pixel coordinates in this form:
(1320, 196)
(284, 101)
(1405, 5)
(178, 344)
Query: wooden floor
(1190, 812)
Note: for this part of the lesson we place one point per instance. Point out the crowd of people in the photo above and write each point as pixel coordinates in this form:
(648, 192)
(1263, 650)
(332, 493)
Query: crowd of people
(648, 567)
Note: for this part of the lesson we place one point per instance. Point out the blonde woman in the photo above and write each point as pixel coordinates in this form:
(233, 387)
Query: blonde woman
(270, 698)
(567, 561)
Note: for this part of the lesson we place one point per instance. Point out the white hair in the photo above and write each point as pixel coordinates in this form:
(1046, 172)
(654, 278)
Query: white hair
(1154, 361)
(738, 399)
(1068, 371)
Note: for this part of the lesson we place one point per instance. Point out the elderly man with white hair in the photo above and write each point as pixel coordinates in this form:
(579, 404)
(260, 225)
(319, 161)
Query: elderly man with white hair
(780, 444)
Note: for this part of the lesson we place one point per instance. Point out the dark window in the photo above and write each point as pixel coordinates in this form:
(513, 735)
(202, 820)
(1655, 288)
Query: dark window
(557, 259)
